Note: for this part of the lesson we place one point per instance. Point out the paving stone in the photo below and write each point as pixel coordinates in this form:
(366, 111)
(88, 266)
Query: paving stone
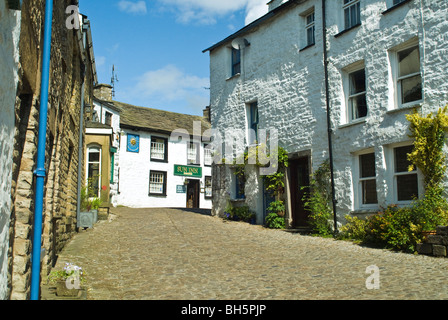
(170, 254)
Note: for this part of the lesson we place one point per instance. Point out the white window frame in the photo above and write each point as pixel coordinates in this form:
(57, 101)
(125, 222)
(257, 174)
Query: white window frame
(352, 96)
(208, 155)
(396, 79)
(157, 183)
(94, 149)
(310, 26)
(346, 96)
(358, 180)
(159, 149)
(193, 156)
(392, 177)
(348, 6)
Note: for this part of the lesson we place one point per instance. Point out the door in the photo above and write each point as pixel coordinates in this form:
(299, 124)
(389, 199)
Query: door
(193, 194)
(299, 181)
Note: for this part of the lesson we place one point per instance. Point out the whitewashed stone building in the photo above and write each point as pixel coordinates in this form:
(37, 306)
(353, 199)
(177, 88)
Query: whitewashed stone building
(10, 19)
(158, 158)
(368, 62)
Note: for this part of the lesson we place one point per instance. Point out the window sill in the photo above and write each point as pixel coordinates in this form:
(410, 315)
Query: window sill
(416, 105)
(157, 195)
(352, 123)
(395, 7)
(347, 30)
(158, 160)
(308, 46)
(365, 211)
(238, 200)
(234, 76)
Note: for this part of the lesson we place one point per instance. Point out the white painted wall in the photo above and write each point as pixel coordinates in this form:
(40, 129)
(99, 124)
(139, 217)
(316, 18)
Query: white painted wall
(288, 84)
(9, 57)
(135, 169)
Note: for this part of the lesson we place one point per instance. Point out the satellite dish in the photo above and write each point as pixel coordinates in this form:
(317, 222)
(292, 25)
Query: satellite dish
(240, 43)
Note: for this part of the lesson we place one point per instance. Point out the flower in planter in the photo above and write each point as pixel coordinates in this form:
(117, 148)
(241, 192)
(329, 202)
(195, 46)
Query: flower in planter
(71, 274)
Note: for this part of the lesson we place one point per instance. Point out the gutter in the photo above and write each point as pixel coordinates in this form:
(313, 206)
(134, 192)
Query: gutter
(40, 172)
(330, 130)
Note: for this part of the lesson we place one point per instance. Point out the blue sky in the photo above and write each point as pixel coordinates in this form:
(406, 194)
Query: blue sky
(156, 46)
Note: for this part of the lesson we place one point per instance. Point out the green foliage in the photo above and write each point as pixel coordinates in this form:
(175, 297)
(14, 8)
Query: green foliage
(318, 201)
(429, 134)
(242, 213)
(69, 271)
(355, 229)
(274, 221)
(276, 181)
(89, 200)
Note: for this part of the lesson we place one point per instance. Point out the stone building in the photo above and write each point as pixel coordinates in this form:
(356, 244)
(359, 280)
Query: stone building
(72, 76)
(368, 62)
(142, 166)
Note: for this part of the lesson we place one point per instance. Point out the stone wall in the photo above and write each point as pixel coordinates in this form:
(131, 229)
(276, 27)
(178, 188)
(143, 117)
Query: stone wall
(60, 200)
(436, 244)
(9, 57)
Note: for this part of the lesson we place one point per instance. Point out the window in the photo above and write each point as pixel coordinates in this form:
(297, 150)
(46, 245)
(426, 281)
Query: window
(208, 157)
(406, 182)
(157, 183)
(94, 170)
(208, 187)
(193, 153)
(398, 1)
(236, 61)
(240, 185)
(252, 119)
(357, 104)
(310, 29)
(108, 118)
(367, 179)
(409, 80)
(159, 149)
(352, 13)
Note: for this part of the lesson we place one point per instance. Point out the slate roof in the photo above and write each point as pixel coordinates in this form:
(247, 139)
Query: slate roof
(155, 120)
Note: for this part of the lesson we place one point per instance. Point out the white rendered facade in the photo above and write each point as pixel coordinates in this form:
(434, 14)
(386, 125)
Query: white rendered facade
(383, 47)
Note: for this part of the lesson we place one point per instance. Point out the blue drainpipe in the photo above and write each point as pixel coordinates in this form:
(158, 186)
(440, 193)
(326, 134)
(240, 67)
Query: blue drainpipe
(40, 172)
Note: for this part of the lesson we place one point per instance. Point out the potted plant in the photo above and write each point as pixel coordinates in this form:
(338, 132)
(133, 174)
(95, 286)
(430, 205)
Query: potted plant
(69, 281)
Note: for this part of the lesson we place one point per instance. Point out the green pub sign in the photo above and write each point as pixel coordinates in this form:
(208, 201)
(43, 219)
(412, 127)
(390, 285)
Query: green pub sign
(187, 171)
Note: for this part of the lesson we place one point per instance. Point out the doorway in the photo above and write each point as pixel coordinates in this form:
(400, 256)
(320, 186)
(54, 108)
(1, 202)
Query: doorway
(193, 189)
(299, 184)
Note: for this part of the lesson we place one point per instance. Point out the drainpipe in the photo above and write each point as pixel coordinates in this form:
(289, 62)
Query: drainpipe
(330, 131)
(40, 172)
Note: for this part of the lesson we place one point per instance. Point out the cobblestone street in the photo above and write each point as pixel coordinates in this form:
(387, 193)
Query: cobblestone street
(155, 254)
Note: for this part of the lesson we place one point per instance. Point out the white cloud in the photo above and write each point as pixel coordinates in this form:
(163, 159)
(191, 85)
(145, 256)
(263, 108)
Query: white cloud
(170, 84)
(207, 11)
(137, 7)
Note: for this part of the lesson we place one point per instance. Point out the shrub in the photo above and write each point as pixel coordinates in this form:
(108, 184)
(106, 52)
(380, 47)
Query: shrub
(354, 229)
(318, 200)
(274, 221)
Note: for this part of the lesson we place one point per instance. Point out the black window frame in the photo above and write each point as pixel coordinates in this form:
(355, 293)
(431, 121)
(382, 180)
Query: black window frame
(165, 175)
(165, 140)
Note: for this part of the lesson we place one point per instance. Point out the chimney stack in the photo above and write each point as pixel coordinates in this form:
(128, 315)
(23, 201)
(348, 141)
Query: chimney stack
(103, 92)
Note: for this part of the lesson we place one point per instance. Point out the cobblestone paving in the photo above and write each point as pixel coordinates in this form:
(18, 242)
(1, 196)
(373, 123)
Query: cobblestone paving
(152, 254)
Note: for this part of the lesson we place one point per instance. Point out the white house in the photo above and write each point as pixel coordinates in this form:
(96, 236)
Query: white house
(369, 63)
(159, 158)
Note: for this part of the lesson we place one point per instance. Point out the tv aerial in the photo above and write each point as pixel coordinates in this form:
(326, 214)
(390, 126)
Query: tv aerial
(113, 80)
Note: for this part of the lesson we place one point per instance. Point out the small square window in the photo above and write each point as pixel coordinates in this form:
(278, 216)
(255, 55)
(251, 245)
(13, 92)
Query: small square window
(157, 183)
(159, 149)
